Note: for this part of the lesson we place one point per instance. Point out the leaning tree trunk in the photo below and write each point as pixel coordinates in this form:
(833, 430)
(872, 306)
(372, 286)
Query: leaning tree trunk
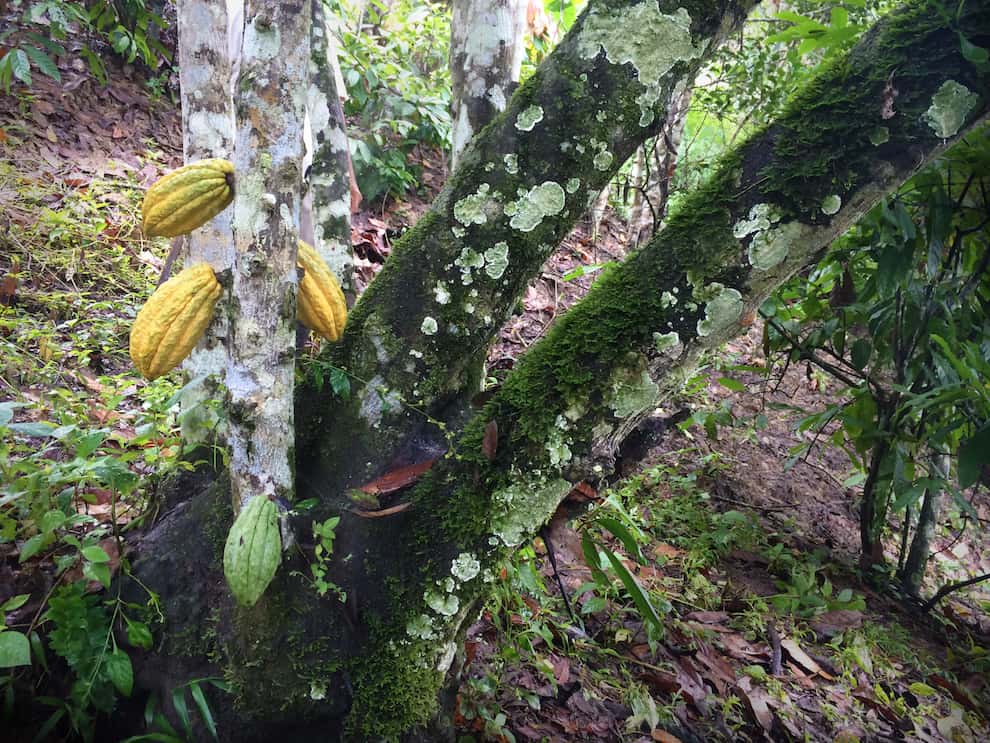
(414, 578)
(486, 52)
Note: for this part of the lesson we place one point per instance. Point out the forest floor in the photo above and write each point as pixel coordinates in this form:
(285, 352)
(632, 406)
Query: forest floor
(765, 630)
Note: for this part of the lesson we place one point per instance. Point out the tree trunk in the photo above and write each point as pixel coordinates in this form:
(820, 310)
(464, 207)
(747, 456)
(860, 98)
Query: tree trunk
(913, 573)
(486, 52)
(414, 579)
(326, 222)
(208, 131)
(273, 61)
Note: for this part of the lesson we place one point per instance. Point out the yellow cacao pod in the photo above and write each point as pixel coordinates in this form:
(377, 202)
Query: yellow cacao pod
(187, 198)
(321, 304)
(173, 320)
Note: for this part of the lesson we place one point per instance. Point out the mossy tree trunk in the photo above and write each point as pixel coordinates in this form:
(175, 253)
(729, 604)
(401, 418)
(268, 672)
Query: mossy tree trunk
(371, 667)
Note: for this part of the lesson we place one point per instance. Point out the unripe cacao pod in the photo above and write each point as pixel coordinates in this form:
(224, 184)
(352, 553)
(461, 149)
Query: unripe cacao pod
(320, 306)
(253, 550)
(173, 320)
(187, 198)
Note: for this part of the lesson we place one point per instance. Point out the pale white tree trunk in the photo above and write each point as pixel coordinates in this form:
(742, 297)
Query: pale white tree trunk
(486, 51)
(326, 220)
(270, 108)
(208, 131)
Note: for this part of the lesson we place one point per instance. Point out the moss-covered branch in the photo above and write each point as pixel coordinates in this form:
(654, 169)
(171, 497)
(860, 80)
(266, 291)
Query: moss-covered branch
(771, 208)
(419, 334)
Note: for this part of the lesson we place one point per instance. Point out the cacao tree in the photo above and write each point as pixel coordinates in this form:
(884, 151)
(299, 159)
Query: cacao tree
(301, 661)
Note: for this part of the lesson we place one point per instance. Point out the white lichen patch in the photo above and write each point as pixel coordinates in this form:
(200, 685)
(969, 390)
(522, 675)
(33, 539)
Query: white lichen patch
(645, 37)
(951, 105)
(528, 118)
(524, 505)
(770, 247)
(631, 389)
(441, 293)
(447, 658)
(667, 343)
(317, 690)
(602, 160)
(445, 604)
(465, 566)
(541, 201)
(458, 231)
(497, 260)
(468, 261)
(667, 300)
(471, 209)
(377, 399)
(721, 312)
(761, 216)
(831, 204)
(879, 136)
(421, 628)
(558, 448)
(511, 163)
(572, 185)
(469, 308)
(429, 326)
(415, 354)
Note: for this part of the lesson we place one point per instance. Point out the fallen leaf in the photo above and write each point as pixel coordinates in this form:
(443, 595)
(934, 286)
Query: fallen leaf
(802, 658)
(397, 479)
(664, 737)
(398, 508)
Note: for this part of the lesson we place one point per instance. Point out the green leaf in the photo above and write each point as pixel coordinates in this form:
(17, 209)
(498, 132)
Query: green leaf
(95, 554)
(98, 572)
(38, 430)
(620, 532)
(731, 384)
(204, 709)
(971, 52)
(339, 383)
(43, 62)
(51, 521)
(860, 353)
(182, 709)
(15, 650)
(118, 668)
(921, 690)
(139, 635)
(38, 648)
(635, 591)
(973, 454)
(591, 560)
(15, 602)
(20, 66)
(32, 546)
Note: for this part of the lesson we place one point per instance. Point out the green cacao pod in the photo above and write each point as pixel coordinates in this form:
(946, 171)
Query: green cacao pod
(321, 306)
(173, 320)
(187, 198)
(253, 550)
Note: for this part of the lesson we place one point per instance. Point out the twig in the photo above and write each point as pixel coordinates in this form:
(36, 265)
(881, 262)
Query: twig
(776, 664)
(951, 588)
(545, 535)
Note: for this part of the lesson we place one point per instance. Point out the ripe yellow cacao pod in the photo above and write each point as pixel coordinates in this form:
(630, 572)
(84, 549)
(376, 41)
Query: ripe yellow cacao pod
(253, 550)
(187, 198)
(321, 304)
(173, 320)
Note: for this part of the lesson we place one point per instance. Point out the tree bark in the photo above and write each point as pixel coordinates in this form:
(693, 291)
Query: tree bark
(486, 52)
(913, 573)
(208, 131)
(414, 579)
(326, 220)
(273, 63)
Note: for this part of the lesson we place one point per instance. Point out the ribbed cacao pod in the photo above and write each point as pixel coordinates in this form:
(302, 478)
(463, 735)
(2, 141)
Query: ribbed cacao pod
(253, 550)
(187, 198)
(173, 320)
(321, 306)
